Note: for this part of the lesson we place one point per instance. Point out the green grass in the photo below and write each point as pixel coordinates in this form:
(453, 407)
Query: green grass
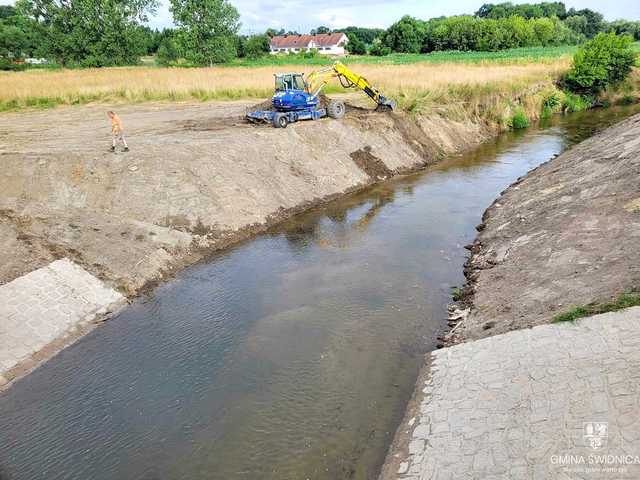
(573, 102)
(505, 56)
(515, 55)
(457, 294)
(625, 300)
(519, 120)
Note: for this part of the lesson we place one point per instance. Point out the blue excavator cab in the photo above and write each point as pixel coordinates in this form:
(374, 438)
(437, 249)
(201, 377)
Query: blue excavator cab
(291, 102)
(291, 93)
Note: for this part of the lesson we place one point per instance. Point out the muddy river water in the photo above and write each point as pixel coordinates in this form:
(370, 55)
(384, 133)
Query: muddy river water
(288, 357)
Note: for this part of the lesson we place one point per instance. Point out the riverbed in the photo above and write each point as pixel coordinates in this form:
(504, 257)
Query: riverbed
(290, 356)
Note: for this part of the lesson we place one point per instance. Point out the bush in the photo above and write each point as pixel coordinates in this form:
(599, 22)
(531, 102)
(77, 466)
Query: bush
(576, 103)
(380, 50)
(311, 53)
(10, 66)
(519, 120)
(167, 52)
(606, 60)
(355, 46)
(257, 46)
(550, 105)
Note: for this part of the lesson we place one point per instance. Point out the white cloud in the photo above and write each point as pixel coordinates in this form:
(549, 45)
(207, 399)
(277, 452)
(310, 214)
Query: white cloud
(302, 15)
(162, 18)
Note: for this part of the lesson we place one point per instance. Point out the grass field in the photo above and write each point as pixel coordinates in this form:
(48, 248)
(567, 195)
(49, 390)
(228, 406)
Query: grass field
(39, 88)
(516, 55)
(512, 56)
(414, 80)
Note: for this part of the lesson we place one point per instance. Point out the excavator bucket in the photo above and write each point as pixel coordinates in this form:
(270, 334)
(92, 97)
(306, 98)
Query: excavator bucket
(385, 103)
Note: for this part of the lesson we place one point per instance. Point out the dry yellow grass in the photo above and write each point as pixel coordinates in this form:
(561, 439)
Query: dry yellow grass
(46, 88)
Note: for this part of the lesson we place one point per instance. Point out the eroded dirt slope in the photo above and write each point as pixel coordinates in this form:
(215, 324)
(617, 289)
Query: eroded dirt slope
(565, 235)
(197, 178)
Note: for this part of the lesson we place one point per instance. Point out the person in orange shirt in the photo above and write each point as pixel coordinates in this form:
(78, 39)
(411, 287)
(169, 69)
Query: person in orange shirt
(117, 132)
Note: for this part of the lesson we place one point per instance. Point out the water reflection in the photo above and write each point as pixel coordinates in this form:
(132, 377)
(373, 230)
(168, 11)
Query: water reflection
(347, 221)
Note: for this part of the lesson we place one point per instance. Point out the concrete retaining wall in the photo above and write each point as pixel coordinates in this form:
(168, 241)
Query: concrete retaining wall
(45, 305)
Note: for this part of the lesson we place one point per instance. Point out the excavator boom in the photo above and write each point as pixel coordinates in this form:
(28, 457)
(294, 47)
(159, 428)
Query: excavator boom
(354, 80)
(348, 79)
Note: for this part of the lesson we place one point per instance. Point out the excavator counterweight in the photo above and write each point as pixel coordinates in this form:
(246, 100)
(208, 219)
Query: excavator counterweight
(297, 98)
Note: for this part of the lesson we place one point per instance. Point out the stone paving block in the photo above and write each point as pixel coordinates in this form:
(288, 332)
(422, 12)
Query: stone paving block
(567, 392)
(43, 305)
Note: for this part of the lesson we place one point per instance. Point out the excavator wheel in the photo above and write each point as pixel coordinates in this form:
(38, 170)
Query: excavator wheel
(280, 120)
(335, 109)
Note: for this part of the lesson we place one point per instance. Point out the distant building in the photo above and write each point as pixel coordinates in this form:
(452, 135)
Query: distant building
(325, 43)
(36, 61)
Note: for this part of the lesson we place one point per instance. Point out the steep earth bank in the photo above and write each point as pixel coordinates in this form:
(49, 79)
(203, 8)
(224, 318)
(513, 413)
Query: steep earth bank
(565, 235)
(197, 178)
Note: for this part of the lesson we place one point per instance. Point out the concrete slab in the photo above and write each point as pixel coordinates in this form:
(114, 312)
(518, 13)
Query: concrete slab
(47, 304)
(556, 401)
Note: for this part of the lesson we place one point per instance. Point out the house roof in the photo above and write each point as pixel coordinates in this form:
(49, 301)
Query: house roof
(303, 41)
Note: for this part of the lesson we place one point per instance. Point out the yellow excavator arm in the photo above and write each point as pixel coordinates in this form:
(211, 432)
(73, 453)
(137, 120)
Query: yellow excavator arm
(348, 79)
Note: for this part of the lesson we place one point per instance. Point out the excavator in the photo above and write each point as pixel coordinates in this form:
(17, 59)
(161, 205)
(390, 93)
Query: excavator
(297, 98)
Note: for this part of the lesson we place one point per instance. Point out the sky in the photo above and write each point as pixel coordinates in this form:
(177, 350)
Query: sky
(302, 15)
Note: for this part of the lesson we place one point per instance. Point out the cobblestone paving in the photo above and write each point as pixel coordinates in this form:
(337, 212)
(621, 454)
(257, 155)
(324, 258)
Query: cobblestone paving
(43, 305)
(528, 404)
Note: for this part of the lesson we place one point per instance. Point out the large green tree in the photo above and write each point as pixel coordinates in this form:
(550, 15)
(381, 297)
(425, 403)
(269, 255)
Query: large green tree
(91, 33)
(526, 10)
(167, 52)
(628, 27)
(7, 11)
(207, 30)
(20, 36)
(257, 45)
(407, 35)
(14, 42)
(320, 30)
(364, 34)
(355, 46)
(595, 21)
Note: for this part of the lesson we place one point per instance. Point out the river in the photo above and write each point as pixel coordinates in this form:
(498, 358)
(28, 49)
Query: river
(290, 356)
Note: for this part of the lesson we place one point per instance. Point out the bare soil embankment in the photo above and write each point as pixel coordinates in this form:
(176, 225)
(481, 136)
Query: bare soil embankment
(197, 178)
(565, 235)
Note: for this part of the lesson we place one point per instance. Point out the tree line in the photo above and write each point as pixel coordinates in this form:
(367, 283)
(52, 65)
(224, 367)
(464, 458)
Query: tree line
(467, 33)
(500, 26)
(96, 33)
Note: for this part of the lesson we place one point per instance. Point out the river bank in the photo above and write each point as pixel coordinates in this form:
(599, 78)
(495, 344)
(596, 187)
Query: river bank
(564, 236)
(561, 237)
(291, 355)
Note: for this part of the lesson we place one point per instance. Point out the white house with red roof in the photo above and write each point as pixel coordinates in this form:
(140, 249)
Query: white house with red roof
(325, 43)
